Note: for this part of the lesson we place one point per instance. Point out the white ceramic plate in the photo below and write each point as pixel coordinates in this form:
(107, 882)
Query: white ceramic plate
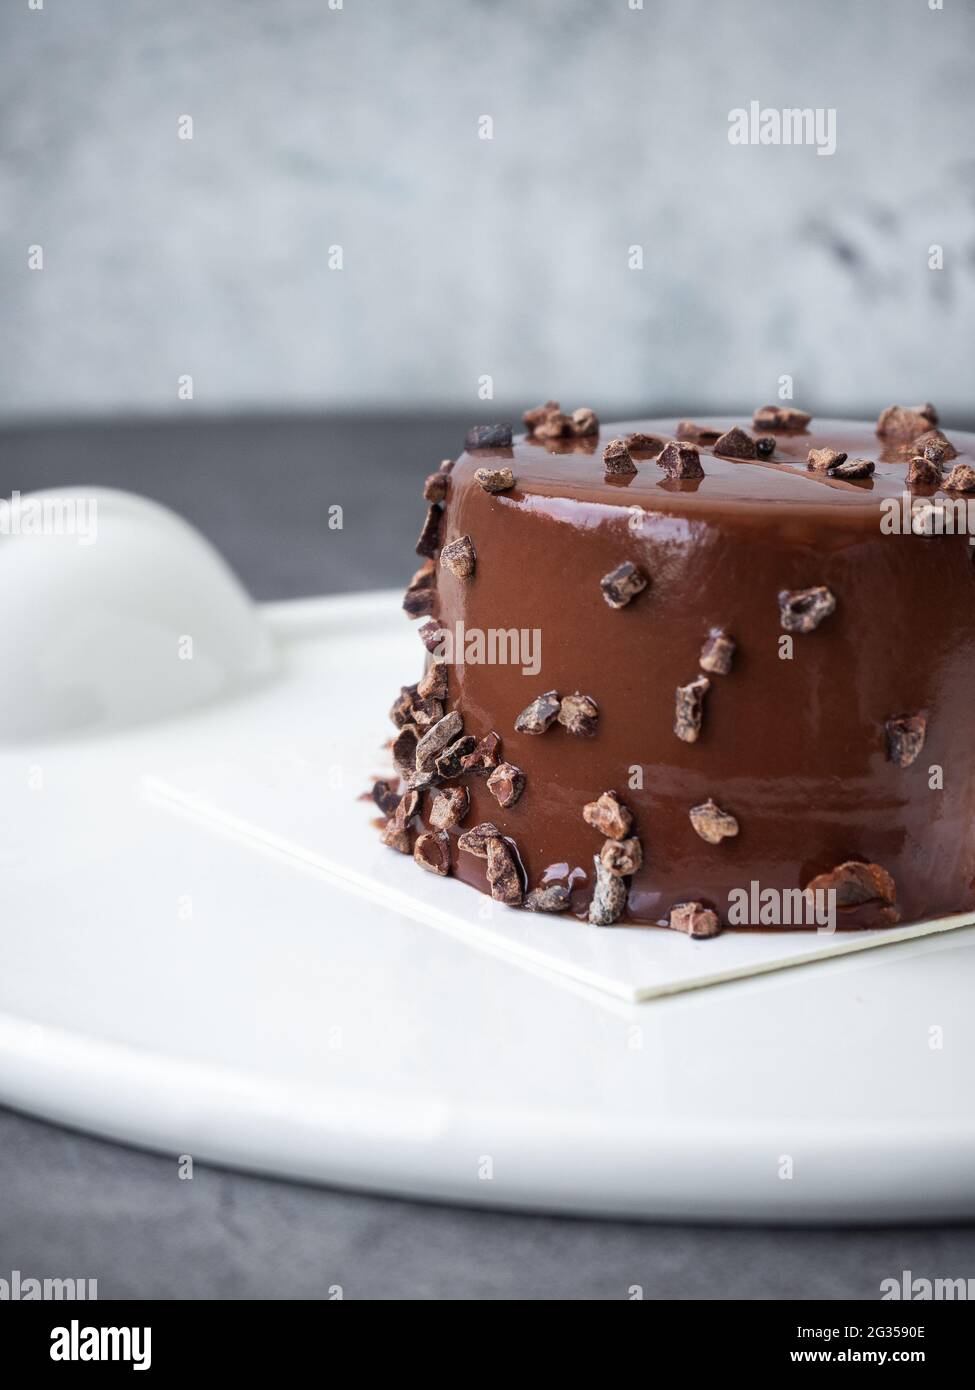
(188, 964)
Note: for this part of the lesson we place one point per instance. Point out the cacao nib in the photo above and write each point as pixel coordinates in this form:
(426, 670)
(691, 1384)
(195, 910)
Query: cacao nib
(609, 816)
(609, 896)
(476, 840)
(537, 717)
(853, 470)
(822, 459)
(506, 784)
(690, 709)
(905, 737)
(488, 437)
(450, 762)
(694, 919)
(780, 417)
(502, 874)
(735, 444)
(705, 435)
(555, 898)
(449, 807)
(494, 479)
(483, 757)
(802, 610)
(435, 740)
(711, 823)
(579, 714)
(622, 584)
(900, 422)
(429, 541)
(621, 858)
(854, 884)
(458, 557)
(718, 653)
(616, 458)
(680, 460)
(432, 852)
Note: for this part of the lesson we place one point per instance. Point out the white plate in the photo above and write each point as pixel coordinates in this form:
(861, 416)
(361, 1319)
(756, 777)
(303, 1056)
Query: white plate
(184, 986)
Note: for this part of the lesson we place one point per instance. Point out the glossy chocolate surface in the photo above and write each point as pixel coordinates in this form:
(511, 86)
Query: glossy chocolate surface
(794, 748)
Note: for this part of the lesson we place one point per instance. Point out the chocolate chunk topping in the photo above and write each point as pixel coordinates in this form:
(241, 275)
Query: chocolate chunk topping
(609, 896)
(621, 857)
(431, 635)
(433, 685)
(435, 487)
(704, 435)
(432, 852)
(616, 457)
(450, 761)
(924, 472)
(905, 737)
(548, 422)
(420, 598)
(802, 610)
(765, 446)
(396, 830)
(555, 898)
(404, 749)
(488, 437)
(940, 446)
(502, 874)
(435, 740)
(533, 418)
(901, 422)
(690, 708)
(386, 797)
(429, 540)
(735, 444)
(780, 417)
(426, 712)
(821, 459)
(494, 479)
(411, 709)
(402, 708)
(476, 840)
(622, 584)
(638, 443)
(506, 784)
(711, 823)
(608, 815)
(960, 479)
(542, 711)
(449, 807)
(694, 919)
(717, 653)
(554, 426)
(852, 470)
(680, 460)
(458, 557)
(584, 422)
(396, 836)
(483, 756)
(420, 603)
(855, 883)
(579, 714)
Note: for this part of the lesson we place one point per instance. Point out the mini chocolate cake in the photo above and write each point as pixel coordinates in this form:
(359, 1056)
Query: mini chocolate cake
(669, 663)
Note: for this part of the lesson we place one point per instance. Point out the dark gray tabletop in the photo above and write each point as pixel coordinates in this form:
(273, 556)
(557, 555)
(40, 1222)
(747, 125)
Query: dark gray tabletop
(76, 1206)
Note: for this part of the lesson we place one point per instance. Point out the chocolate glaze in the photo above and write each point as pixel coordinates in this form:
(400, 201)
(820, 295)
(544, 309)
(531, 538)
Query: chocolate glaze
(795, 749)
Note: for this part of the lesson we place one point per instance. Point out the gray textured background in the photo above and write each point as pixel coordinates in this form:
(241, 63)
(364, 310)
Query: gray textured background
(463, 257)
